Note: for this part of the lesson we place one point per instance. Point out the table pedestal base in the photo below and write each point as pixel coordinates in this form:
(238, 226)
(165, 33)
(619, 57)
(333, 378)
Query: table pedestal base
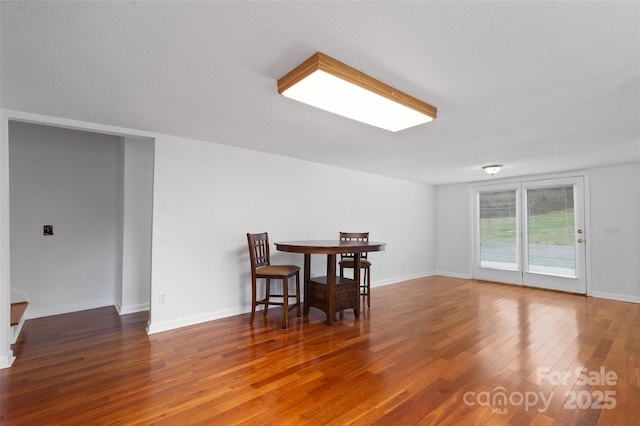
(345, 296)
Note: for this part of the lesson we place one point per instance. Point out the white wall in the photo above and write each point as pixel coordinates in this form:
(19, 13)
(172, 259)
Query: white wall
(71, 180)
(137, 221)
(615, 258)
(208, 196)
(614, 203)
(453, 249)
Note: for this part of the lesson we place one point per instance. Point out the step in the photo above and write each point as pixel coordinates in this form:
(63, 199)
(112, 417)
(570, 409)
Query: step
(17, 311)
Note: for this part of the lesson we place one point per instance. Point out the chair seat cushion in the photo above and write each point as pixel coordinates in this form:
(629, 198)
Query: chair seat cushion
(277, 270)
(348, 263)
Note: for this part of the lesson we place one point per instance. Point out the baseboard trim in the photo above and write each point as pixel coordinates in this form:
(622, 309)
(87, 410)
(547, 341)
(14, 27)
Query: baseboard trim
(616, 296)
(130, 309)
(454, 275)
(161, 326)
(381, 283)
(6, 360)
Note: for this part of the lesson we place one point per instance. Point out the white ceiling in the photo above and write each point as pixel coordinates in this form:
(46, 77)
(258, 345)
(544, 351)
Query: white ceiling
(537, 86)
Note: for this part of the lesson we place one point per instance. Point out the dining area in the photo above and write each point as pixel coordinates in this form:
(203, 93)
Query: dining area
(332, 293)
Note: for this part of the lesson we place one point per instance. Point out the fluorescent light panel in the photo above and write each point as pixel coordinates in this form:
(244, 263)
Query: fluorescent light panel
(327, 84)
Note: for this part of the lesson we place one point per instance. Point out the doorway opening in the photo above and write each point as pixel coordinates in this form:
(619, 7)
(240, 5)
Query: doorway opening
(80, 219)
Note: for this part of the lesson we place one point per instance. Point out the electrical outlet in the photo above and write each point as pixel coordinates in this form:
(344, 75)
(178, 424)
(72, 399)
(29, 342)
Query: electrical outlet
(161, 298)
(611, 230)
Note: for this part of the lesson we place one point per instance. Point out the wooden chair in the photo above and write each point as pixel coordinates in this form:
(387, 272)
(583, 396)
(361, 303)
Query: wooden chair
(347, 262)
(261, 267)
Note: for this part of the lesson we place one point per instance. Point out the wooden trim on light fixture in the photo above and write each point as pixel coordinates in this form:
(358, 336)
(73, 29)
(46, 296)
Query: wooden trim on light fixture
(320, 61)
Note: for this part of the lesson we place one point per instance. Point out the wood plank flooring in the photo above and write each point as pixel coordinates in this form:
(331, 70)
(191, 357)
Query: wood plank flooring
(429, 351)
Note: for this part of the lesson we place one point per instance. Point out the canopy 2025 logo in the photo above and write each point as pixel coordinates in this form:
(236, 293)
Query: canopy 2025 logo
(500, 399)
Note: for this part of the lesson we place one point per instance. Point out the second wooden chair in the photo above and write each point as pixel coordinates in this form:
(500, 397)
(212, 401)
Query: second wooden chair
(261, 267)
(347, 262)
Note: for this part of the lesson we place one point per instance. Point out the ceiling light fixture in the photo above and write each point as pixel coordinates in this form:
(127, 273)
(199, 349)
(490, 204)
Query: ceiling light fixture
(492, 169)
(328, 84)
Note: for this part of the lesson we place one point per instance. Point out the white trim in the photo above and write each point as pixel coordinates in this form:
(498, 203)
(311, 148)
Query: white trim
(588, 231)
(16, 329)
(382, 283)
(124, 310)
(616, 296)
(471, 206)
(454, 275)
(6, 354)
(7, 360)
(529, 178)
(26, 117)
(158, 327)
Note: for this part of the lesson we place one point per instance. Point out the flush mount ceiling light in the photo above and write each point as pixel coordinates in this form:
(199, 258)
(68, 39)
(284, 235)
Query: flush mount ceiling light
(326, 83)
(492, 169)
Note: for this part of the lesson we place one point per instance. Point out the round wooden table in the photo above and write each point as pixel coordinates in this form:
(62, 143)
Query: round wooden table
(331, 293)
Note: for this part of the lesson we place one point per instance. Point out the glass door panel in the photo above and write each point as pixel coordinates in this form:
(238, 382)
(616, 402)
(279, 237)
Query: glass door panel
(550, 229)
(498, 230)
(554, 239)
(497, 233)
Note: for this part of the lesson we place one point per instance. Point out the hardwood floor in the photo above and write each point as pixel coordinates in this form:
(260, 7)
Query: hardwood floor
(429, 351)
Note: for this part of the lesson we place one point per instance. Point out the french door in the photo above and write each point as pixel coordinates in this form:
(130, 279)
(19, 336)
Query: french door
(531, 233)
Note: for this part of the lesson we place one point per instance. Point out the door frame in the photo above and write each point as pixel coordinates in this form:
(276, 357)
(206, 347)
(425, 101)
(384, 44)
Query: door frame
(504, 276)
(6, 353)
(547, 281)
(505, 183)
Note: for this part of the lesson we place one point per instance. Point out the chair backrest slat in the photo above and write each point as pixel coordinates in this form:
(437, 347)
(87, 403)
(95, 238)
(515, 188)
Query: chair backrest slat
(258, 249)
(354, 236)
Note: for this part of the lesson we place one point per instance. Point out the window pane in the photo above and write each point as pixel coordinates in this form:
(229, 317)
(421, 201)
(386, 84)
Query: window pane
(498, 242)
(551, 230)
